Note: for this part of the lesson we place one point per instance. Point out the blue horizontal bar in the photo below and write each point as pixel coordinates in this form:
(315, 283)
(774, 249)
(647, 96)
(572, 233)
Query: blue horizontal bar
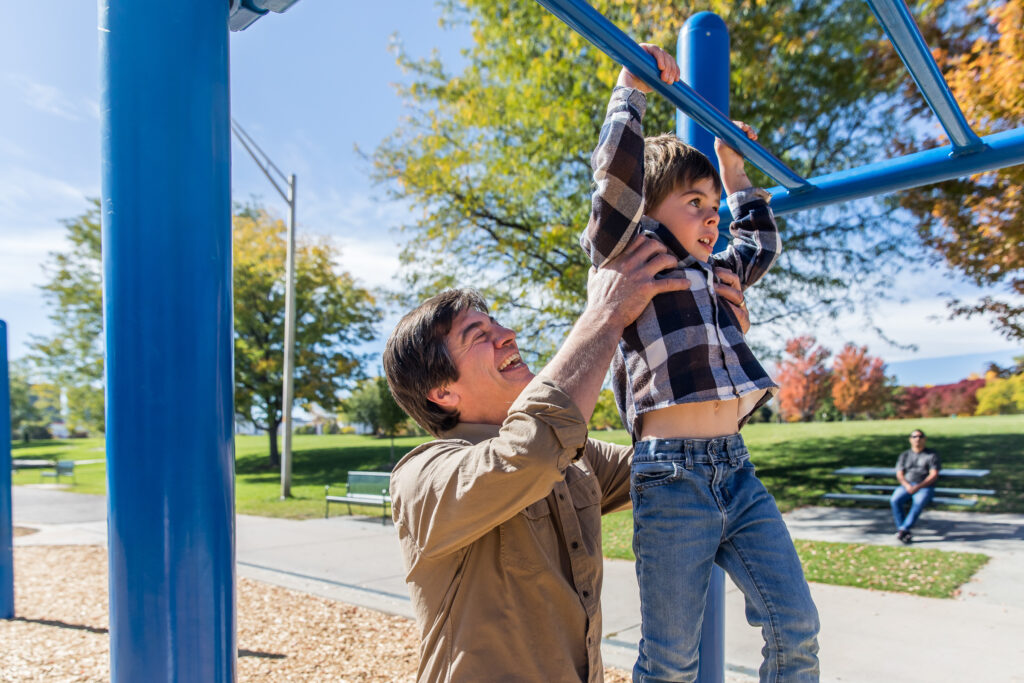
(899, 25)
(593, 26)
(913, 170)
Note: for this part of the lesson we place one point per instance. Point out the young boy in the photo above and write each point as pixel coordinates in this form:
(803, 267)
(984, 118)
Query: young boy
(685, 382)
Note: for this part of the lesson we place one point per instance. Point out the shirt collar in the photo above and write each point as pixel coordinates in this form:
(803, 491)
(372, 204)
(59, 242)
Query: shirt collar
(472, 432)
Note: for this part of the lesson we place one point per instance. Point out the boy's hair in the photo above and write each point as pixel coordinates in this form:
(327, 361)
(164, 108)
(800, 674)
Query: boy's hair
(416, 357)
(670, 163)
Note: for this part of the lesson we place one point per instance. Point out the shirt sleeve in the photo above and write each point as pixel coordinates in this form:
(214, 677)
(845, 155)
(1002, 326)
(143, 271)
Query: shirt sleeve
(901, 462)
(756, 243)
(618, 164)
(935, 462)
(449, 493)
(610, 463)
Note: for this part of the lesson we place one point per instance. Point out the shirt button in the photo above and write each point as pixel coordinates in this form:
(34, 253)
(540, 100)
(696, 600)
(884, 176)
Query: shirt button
(575, 545)
(586, 594)
(561, 496)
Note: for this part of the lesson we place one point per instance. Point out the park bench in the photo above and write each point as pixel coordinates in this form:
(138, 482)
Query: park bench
(63, 468)
(943, 495)
(363, 488)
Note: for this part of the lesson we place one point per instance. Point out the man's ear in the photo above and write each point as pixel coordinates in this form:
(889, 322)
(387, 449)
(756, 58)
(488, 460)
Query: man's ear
(444, 397)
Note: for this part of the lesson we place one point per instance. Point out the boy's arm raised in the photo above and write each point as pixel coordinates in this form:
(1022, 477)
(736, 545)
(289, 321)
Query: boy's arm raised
(756, 242)
(617, 203)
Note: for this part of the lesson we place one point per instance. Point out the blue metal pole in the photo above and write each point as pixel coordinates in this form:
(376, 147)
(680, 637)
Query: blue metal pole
(900, 26)
(593, 26)
(1000, 150)
(6, 513)
(168, 321)
(703, 54)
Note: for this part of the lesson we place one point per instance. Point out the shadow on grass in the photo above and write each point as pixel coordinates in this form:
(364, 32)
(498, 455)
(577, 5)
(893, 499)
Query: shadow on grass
(798, 472)
(320, 466)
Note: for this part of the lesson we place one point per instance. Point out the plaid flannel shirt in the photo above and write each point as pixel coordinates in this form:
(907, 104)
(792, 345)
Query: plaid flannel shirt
(685, 347)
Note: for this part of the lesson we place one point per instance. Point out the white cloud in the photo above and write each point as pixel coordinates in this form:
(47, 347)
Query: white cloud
(22, 256)
(29, 198)
(44, 98)
(923, 323)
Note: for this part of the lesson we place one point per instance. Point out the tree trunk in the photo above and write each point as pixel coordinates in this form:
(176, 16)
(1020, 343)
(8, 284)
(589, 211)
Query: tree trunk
(275, 455)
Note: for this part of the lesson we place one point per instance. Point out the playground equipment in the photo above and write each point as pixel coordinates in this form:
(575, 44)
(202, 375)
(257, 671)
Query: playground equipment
(6, 519)
(167, 300)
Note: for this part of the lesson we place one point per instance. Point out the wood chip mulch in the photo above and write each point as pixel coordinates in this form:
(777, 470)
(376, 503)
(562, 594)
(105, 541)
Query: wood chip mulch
(60, 630)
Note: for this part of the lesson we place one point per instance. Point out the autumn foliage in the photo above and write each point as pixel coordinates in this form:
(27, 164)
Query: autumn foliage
(976, 224)
(942, 400)
(858, 382)
(803, 379)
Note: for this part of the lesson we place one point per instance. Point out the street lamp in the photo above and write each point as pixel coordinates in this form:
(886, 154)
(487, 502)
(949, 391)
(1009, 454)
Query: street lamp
(266, 165)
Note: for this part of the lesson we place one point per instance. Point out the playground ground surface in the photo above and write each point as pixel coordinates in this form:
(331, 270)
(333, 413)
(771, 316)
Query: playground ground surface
(867, 635)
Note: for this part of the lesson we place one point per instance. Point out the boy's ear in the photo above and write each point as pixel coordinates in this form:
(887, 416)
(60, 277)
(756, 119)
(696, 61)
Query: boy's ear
(444, 397)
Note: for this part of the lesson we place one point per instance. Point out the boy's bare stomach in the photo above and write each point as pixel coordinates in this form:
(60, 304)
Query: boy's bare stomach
(704, 420)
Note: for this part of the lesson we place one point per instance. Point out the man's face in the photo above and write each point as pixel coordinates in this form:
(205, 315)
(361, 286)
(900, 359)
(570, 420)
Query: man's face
(690, 212)
(917, 441)
(491, 373)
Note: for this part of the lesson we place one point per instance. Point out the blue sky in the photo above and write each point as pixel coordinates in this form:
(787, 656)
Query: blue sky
(308, 85)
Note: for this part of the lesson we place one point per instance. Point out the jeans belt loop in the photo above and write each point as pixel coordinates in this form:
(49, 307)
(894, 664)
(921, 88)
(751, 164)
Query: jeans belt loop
(688, 449)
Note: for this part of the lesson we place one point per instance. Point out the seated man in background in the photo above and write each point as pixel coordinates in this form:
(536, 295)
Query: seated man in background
(917, 470)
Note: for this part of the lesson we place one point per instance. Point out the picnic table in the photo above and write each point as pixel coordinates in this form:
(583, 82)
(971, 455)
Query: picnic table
(944, 495)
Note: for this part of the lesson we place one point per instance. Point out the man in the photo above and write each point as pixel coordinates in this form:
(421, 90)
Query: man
(917, 470)
(500, 518)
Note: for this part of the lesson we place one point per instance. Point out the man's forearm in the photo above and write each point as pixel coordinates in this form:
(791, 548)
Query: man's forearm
(582, 362)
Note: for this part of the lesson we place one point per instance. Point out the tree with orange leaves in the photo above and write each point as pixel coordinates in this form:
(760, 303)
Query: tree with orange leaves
(976, 224)
(858, 382)
(803, 379)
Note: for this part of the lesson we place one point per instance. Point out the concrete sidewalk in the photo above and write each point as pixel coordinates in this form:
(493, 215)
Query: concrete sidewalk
(866, 635)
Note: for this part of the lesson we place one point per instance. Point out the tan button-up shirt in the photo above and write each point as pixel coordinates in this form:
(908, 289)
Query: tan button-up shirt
(500, 528)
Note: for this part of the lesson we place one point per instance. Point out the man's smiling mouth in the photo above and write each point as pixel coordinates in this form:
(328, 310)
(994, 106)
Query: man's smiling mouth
(512, 361)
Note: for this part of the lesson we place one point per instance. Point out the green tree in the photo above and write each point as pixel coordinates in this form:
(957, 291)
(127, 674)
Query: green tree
(362, 407)
(392, 417)
(1001, 396)
(73, 357)
(606, 413)
(333, 315)
(24, 408)
(495, 156)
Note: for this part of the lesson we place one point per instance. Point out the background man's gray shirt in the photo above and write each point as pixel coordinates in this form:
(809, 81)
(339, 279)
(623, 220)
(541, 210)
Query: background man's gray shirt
(916, 466)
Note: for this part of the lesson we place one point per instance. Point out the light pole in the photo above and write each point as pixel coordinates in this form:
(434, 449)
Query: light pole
(266, 165)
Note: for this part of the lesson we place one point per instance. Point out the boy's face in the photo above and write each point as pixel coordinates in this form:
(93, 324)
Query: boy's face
(690, 212)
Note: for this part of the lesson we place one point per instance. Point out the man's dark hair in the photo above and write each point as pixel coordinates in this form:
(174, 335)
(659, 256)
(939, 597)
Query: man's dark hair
(917, 431)
(670, 163)
(416, 358)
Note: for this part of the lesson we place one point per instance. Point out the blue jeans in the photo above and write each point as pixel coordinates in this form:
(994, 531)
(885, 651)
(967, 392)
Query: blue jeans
(918, 501)
(698, 502)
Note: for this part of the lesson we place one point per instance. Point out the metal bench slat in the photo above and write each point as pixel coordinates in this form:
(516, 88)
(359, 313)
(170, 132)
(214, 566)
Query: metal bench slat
(954, 472)
(938, 489)
(878, 498)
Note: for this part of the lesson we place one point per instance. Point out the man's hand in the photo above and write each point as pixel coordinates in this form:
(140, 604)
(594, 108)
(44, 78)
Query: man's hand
(616, 295)
(728, 287)
(730, 162)
(623, 287)
(666, 63)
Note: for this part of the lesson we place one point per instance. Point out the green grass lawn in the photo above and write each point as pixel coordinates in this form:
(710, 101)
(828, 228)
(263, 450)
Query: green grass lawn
(795, 461)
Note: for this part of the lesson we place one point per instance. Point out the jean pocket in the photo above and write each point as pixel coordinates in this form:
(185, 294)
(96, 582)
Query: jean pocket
(645, 475)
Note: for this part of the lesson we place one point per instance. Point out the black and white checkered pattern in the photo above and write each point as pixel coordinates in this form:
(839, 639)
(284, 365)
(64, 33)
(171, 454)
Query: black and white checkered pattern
(685, 347)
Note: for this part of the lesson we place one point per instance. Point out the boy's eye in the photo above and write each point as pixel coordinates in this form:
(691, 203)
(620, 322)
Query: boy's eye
(696, 202)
